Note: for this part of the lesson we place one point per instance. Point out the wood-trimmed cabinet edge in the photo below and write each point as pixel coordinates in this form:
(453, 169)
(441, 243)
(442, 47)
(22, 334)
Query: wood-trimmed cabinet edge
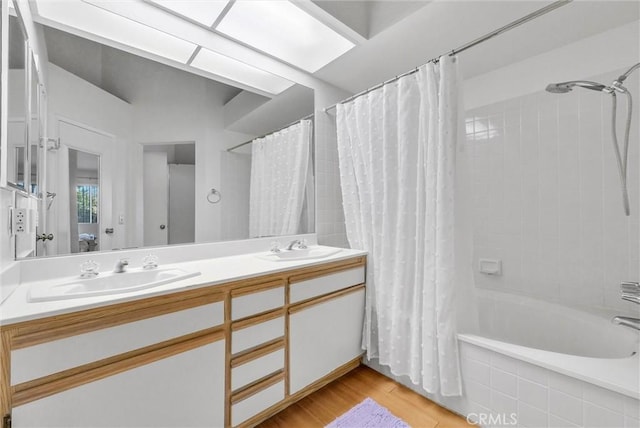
(32, 333)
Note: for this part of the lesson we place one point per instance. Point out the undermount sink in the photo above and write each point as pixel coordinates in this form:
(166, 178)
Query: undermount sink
(110, 283)
(300, 254)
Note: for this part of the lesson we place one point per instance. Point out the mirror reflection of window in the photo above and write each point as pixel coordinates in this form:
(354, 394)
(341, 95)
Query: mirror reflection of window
(87, 201)
(84, 183)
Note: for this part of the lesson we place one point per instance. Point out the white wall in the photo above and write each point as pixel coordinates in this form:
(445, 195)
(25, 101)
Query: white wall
(601, 53)
(330, 227)
(235, 180)
(546, 193)
(72, 98)
(169, 106)
(547, 200)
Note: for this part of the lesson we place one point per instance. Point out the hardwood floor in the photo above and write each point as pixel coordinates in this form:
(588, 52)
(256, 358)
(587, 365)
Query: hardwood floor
(330, 402)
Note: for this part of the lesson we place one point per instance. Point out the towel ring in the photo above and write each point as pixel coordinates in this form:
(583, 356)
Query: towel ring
(214, 196)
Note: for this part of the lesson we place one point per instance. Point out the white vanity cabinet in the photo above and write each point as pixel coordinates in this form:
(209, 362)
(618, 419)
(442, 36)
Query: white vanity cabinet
(183, 390)
(156, 362)
(323, 336)
(225, 355)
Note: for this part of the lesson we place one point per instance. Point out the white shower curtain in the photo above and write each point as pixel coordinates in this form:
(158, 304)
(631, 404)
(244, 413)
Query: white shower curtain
(279, 172)
(397, 151)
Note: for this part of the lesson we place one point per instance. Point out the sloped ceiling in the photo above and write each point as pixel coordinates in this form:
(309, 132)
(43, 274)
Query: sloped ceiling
(401, 35)
(370, 17)
(443, 25)
(92, 62)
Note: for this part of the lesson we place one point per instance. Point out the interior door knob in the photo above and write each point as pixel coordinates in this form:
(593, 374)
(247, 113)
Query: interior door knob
(109, 230)
(162, 227)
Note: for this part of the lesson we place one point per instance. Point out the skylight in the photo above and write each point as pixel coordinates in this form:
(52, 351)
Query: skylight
(93, 20)
(204, 12)
(251, 42)
(281, 29)
(230, 68)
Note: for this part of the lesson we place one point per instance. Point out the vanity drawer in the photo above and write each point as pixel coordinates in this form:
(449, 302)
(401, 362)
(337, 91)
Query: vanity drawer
(254, 332)
(51, 357)
(310, 288)
(252, 405)
(250, 371)
(257, 299)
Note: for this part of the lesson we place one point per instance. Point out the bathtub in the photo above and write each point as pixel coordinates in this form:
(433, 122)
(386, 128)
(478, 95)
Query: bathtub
(535, 364)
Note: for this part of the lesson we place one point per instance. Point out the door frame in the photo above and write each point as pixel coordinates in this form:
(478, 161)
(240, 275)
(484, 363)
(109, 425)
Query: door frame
(139, 183)
(105, 209)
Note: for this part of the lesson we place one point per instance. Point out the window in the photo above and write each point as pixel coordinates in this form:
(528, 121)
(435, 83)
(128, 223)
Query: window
(87, 201)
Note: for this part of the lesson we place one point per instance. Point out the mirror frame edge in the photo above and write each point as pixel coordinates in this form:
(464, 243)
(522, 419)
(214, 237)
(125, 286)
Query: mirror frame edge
(4, 100)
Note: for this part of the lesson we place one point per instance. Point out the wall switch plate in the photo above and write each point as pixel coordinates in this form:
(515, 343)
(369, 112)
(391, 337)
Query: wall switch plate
(121, 219)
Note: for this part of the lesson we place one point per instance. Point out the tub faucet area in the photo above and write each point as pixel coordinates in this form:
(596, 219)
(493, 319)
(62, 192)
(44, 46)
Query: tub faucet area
(627, 322)
(630, 291)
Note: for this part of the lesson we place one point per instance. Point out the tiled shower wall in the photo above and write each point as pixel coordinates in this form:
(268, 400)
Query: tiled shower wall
(235, 177)
(546, 196)
(330, 226)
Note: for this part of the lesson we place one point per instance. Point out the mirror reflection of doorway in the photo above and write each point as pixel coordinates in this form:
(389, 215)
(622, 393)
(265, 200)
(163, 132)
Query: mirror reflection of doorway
(169, 193)
(84, 189)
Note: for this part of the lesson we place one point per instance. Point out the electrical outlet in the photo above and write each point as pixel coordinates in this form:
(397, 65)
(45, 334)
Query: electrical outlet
(20, 215)
(19, 220)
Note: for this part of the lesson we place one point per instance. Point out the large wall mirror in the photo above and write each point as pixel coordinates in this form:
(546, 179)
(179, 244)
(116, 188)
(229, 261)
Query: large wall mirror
(24, 101)
(17, 77)
(140, 153)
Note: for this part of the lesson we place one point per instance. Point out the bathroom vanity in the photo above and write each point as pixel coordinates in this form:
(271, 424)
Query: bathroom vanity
(214, 353)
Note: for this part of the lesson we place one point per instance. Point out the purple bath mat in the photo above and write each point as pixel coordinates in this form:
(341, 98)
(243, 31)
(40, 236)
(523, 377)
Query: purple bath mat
(368, 414)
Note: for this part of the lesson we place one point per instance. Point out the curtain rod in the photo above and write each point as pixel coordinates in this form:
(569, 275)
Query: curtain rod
(494, 33)
(309, 116)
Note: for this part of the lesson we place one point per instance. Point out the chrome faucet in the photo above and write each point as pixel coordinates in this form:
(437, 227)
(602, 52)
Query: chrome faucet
(121, 266)
(630, 291)
(627, 322)
(300, 243)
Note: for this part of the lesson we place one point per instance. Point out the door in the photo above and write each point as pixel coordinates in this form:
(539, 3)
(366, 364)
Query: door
(182, 203)
(156, 198)
(78, 139)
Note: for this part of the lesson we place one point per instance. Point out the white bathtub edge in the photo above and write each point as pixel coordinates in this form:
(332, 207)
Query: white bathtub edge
(615, 374)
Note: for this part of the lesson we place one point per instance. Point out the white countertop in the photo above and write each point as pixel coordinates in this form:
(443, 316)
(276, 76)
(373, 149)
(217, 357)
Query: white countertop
(212, 271)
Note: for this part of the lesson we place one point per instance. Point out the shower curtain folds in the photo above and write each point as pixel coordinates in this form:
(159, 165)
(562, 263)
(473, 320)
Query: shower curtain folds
(280, 169)
(396, 149)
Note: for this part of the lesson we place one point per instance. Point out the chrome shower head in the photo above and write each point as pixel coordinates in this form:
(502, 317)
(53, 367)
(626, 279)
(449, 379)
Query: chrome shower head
(564, 87)
(50, 197)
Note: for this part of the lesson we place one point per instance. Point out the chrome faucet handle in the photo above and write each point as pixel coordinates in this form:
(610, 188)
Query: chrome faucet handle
(89, 269)
(293, 244)
(630, 286)
(275, 247)
(150, 262)
(121, 265)
(627, 322)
